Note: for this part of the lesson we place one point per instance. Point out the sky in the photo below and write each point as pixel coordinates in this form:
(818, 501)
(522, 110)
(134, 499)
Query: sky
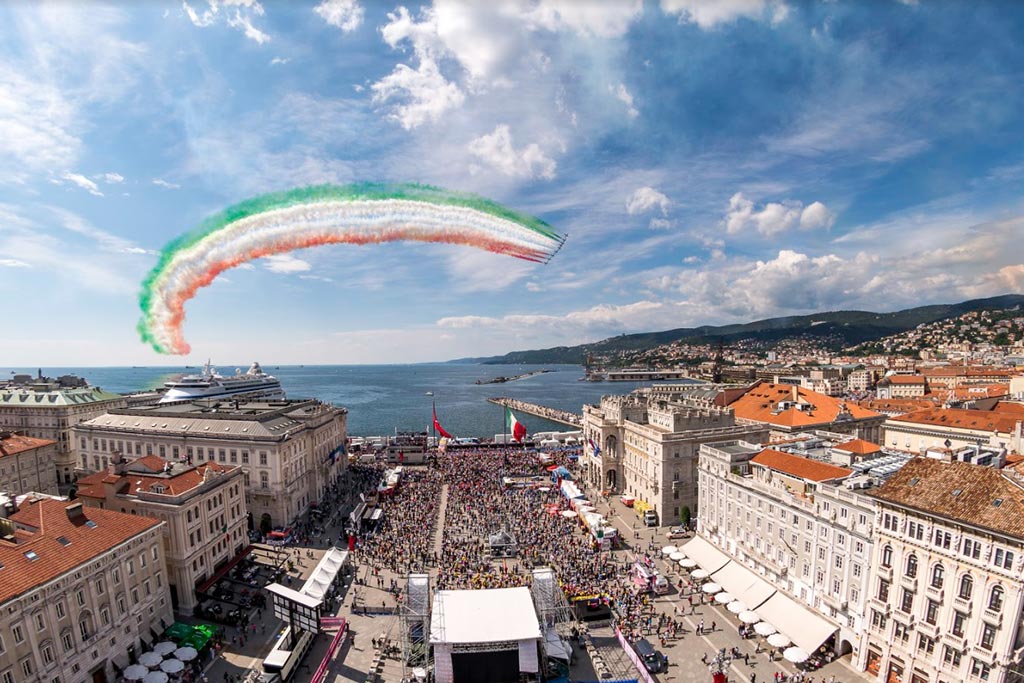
(711, 162)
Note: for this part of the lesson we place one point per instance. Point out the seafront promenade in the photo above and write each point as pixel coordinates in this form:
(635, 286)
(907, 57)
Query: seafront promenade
(553, 414)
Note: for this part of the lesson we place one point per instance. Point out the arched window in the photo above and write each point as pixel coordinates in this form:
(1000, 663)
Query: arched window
(966, 586)
(85, 628)
(995, 599)
(912, 566)
(887, 556)
(938, 575)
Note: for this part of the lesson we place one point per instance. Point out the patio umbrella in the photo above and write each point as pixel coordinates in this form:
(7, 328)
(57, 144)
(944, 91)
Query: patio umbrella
(135, 672)
(724, 598)
(150, 660)
(568, 514)
(687, 563)
(778, 640)
(186, 654)
(172, 666)
(749, 617)
(795, 655)
(699, 574)
(668, 550)
(676, 556)
(736, 606)
(164, 648)
(764, 629)
(711, 588)
(585, 508)
(155, 677)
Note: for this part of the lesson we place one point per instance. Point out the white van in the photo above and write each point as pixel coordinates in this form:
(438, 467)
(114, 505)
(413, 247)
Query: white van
(650, 518)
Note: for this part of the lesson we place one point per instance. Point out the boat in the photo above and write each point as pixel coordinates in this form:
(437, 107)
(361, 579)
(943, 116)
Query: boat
(209, 384)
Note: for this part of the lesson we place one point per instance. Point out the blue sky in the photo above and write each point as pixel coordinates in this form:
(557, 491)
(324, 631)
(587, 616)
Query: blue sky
(712, 162)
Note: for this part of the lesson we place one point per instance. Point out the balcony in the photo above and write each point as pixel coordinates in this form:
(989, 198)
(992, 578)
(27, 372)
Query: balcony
(909, 583)
(885, 573)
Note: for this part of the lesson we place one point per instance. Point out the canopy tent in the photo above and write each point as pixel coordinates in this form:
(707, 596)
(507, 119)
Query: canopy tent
(795, 655)
(502, 544)
(805, 628)
(749, 617)
(710, 558)
(737, 606)
(764, 629)
(178, 631)
(778, 640)
(724, 598)
(711, 588)
(744, 584)
(569, 514)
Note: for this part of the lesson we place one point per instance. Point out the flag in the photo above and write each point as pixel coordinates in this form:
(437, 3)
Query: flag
(514, 426)
(439, 428)
(594, 447)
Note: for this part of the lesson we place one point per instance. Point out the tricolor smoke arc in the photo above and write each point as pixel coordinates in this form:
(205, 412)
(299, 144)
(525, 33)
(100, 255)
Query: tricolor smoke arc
(307, 217)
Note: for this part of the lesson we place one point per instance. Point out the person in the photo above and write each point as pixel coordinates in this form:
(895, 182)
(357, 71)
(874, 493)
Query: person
(712, 627)
(753, 677)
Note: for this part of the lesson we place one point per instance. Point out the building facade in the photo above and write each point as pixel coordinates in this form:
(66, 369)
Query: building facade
(50, 410)
(203, 507)
(803, 525)
(954, 428)
(649, 442)
(27, 464)
(947, 601)
(902, 386)
(289, 452)
(83, 590)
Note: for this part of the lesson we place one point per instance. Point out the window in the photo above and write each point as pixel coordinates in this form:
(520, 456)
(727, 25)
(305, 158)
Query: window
(951, 656)
(995, 599)
(988, 636)
(26, 666)
(883, 590)
(966, 586)
(943, 539)
(47, 652)
(907, 601)
(856, 571)
(931, 612)
(959, 620)
(67, 640)
(7, 677)
(85, 628)
(263, 458)
(972, 548)
(839, 561)
(938, 576)
(980, 669)
(1003, 558)
(19, 635)
(80, 598)
(912, 566)
(901, 632)
(878, 620)
(887, 556)
(40, 621)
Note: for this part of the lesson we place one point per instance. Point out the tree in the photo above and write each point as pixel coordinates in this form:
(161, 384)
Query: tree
(266, 524)
(684, 517)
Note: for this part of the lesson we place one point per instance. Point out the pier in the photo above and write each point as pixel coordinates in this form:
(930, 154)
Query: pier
(552, 414)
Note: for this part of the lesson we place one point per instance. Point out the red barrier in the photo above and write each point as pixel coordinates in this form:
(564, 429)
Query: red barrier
(321, 671)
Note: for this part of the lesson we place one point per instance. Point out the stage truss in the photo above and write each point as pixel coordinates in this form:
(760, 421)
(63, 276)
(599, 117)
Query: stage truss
(414, 620)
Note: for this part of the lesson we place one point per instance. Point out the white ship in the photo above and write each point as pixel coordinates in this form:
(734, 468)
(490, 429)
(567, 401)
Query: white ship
(209, 384)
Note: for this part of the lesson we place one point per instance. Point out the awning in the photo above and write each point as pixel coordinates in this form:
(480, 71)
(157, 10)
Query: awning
(805, 628)
(708, 556)
(744, 584)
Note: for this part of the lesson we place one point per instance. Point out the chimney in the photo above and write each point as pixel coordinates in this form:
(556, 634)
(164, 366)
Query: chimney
(796, 394)
(75, 512)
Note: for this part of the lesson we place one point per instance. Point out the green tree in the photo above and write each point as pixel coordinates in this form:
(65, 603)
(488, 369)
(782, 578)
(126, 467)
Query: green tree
(684, 516)
(266, 524)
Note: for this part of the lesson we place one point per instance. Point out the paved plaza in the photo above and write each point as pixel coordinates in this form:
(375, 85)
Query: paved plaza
(374, 622)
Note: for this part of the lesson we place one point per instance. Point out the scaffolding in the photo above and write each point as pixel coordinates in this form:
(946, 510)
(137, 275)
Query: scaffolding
(414, 620)
(552, 607)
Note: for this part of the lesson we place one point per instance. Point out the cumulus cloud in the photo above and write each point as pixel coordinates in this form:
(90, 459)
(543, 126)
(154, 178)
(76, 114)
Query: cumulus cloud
(623, 95)
(346, 15)
(497, 151)
(775, 217)
(112, 178)
(604, 318)
(586, 17)
(709, 14)
(238, 14)
(646, 199)
(82, 182)
(166, 184)
(285, 264)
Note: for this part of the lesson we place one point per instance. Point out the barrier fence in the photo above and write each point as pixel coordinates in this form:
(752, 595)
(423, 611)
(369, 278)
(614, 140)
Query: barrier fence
(321, 671)
(634, 657)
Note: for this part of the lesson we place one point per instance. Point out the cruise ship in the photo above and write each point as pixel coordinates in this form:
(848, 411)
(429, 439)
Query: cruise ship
(209, 384)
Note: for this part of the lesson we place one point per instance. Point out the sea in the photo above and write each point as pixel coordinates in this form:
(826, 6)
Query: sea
(384, 398)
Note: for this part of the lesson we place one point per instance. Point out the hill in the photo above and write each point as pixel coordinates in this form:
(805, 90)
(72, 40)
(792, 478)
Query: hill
(840, 328)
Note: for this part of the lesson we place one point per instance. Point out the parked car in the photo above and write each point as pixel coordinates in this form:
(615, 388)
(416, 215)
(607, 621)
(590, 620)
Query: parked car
(676, 532)
(652, 659)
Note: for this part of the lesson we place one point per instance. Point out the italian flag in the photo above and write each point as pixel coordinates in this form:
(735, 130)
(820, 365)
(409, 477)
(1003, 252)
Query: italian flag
(514, 426)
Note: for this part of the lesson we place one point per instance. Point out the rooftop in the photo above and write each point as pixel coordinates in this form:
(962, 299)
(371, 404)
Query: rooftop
(792, 406)
(976, 495)
(53, 397)
(483, 616)
(150, 474)
(858, 447)
(800, 467)
(53, 537)
(961, 418)
(12, 444)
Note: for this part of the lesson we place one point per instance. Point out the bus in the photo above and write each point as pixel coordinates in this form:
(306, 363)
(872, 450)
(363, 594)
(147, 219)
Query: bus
(282, 661)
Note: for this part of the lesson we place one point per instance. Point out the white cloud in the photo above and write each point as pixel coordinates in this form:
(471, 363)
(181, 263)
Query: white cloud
(38, 125)
(112, 178)
(661, 224)
(280, 60)
(587, 17)
(346, 15)
(497, 150)
(600, 319)
(482, 271)
(13, 263)
(708, 14)
(82, 182)
(285, 264)
(166, 184)
(646, 199)
(623, 95)
(238, 14)
(107, 241)
(774, 217)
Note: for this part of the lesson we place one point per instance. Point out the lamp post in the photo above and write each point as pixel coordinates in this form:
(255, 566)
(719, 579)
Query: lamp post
(433, 418)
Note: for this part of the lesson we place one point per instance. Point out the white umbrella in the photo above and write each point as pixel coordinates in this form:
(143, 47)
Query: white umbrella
(668, 550)
(736, 606)
(764, 629)
(135, 672)
(778, 640)
(687, 563)
(155, 677)
(749, 617)
(711, 588)
(795, 655)
(568, 514)
(585, 508)
(186, 654)
(172, 666)
(677, 556)
(724, 598)
(164, 648)
(699, 574)
(150, 659)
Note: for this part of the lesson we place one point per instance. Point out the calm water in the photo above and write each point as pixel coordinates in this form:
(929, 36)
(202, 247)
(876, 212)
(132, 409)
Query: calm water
(383, 397)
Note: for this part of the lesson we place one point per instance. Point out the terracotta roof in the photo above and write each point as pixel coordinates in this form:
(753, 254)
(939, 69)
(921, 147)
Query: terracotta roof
(958, 491)
(858, 447)
(1009, 408)
(47, 521)
(761, 401)
(153, 463)
(16, 443)
(903, 379)
(92, 486)
(959, 418)
(797, 466)
(903, 405)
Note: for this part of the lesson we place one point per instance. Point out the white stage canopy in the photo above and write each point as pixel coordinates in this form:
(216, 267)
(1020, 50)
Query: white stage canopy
(483, 616)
